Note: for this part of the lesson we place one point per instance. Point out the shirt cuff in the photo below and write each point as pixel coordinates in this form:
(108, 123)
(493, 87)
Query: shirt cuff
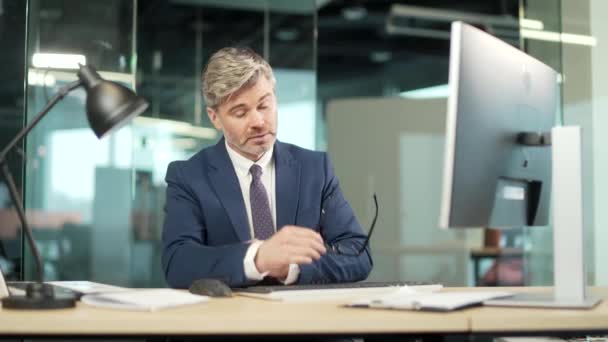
(292, 274)
(251, 272)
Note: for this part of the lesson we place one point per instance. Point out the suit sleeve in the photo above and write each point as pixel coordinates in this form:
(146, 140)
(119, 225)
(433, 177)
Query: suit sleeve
(338, 225)
(186, 256)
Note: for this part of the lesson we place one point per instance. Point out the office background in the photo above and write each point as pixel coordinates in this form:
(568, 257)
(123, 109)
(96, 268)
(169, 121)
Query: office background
(364, 80)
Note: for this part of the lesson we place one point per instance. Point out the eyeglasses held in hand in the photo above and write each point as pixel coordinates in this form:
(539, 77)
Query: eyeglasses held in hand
(351, 250)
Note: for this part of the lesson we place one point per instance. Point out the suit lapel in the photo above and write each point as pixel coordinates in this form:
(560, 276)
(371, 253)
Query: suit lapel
(287, 190)
(226, 186)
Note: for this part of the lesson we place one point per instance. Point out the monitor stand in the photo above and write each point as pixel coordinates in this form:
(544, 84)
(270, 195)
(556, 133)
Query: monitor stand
(568, 251)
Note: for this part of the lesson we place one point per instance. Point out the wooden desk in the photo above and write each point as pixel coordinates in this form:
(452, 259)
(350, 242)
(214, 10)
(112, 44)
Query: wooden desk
(230, 316)
(246, 316)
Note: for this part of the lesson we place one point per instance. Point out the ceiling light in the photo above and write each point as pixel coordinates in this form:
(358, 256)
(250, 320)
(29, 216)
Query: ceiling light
(568, 38)
(532, 24)
(58, 60)
(380, 56)
(353, 13)
(287, 34)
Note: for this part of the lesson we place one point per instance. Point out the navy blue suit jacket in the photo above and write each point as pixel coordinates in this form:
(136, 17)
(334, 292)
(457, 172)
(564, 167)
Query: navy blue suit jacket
(206, 232)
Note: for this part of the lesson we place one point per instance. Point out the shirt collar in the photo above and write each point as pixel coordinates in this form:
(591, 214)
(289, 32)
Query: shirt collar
(242, 164)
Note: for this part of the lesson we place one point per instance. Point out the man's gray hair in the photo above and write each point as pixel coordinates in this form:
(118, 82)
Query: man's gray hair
(231, 69)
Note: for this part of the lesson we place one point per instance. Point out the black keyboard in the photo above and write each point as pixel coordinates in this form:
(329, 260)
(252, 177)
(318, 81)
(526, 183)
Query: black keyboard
(361, 285)
(20, 287)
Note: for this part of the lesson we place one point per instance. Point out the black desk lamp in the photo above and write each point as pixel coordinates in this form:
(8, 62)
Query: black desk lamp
(109, 106)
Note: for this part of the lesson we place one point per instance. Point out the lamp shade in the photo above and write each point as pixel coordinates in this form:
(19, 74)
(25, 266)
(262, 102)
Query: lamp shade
(109, 105)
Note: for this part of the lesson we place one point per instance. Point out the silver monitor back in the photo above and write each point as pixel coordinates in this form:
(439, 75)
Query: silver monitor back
(496, 92)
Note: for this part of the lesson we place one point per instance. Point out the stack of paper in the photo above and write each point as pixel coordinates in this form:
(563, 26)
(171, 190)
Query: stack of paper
(85, 287)
(143, 300)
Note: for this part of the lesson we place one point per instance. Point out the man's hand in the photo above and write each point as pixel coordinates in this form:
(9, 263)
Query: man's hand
(290, 245)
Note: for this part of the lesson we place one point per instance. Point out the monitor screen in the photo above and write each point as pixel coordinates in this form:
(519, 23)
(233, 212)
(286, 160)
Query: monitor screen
(501, 107)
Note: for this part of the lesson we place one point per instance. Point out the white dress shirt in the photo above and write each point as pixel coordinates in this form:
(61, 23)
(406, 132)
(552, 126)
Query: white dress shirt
(242, 166)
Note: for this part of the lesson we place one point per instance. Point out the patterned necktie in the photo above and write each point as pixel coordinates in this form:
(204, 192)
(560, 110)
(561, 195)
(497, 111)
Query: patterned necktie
(261, 216)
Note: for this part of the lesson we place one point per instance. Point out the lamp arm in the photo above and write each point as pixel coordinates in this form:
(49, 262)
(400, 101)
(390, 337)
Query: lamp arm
(17, 200)
(61, 93)
(8, 177)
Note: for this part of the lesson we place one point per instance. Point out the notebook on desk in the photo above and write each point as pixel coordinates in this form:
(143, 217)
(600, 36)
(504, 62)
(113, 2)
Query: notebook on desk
(143, 299)
(410, 299)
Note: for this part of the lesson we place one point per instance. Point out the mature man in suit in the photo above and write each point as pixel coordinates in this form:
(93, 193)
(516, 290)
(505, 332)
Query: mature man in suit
(251, 208)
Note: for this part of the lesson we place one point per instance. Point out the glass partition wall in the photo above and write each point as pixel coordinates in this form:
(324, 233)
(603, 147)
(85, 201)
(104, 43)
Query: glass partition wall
(370, 88)
(542, 18)
(78, 189)
(96, 206)
(383, 72)
(12, 102)
(573, 42)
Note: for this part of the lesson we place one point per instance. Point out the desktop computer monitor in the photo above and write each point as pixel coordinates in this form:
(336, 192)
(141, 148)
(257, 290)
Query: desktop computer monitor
(501, 107)
(504, 158)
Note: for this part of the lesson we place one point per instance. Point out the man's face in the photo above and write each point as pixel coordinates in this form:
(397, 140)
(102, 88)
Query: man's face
(248, 119)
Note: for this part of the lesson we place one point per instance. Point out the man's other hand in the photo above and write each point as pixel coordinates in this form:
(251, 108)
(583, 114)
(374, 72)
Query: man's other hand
(290, 245)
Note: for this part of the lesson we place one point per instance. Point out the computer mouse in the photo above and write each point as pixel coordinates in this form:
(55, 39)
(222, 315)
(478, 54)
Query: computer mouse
(211, 288)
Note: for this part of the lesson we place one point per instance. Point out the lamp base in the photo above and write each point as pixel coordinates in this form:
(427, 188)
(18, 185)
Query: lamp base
(39, 296)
